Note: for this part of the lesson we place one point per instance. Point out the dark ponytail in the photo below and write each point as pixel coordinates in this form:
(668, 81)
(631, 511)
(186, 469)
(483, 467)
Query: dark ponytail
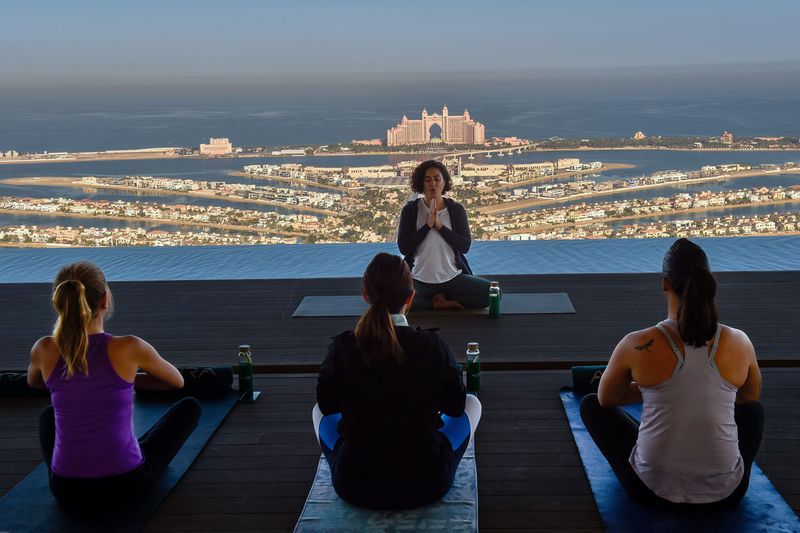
(387, 284)
(687, 269)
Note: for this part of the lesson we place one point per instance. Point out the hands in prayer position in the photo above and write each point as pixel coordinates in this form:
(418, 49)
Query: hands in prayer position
(433, 214)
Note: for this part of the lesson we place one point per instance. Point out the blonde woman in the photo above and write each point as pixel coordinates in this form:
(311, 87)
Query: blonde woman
(87, 437)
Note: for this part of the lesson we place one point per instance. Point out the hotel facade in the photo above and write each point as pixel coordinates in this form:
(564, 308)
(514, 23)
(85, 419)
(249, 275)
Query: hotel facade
(455, 129)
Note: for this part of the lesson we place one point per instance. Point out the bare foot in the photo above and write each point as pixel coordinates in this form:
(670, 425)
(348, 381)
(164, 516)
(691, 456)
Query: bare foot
(441, 302)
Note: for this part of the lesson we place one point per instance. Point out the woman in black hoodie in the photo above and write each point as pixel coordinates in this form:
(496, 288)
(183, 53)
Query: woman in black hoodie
(391, 416)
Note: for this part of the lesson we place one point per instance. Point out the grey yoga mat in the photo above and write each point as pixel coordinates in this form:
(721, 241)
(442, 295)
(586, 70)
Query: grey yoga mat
(457, 511)
(512, 304)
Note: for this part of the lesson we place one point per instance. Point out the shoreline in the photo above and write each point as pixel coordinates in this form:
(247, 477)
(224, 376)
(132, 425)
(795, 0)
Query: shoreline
(20, 246)
(160, 221)
(86, 157)
(693, 210)
(296, 181)
(562, 175)
(506, 207)
(59, 181)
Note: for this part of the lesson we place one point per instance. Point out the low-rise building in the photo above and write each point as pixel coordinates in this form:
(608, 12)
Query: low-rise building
(216, 147)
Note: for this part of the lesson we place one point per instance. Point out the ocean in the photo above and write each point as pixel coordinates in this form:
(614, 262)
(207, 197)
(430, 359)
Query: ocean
(76, 125)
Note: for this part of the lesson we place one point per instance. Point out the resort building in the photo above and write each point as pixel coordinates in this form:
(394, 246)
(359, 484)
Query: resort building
(444, 128)
(217, 146)
(567, 162)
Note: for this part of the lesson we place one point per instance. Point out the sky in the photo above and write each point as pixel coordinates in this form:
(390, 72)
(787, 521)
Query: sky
(85, 43)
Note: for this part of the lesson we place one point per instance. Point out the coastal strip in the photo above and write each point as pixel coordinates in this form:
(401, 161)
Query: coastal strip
(517, 205)
(164, 221)
(293, 181)
(57, 181)
(564, 174)
(638, 216)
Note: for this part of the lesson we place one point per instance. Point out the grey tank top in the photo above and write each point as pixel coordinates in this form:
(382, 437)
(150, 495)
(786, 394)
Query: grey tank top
(688, 445)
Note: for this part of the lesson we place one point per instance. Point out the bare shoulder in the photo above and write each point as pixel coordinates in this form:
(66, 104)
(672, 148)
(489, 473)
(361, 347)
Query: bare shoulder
(640, 340)
(737, 338)
(45, 348)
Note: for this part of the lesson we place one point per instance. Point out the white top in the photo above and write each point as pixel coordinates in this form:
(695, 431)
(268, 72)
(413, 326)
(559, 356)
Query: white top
(435, 260)
(688, 445)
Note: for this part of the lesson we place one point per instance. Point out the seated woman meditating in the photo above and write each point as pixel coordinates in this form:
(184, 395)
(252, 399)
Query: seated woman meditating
(699, 380)
(392, 417)
(87, 435)
(434, 236)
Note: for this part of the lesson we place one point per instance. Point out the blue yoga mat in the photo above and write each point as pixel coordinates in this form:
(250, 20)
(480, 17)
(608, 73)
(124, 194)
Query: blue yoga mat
(30, 506)
(762, 508)
(457, 511)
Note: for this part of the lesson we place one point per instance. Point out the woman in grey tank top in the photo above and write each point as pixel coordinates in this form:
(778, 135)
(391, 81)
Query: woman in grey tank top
(699, 382)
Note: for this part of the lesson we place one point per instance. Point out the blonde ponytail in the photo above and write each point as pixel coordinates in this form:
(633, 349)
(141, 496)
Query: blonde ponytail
(78, 294)
(72, 327)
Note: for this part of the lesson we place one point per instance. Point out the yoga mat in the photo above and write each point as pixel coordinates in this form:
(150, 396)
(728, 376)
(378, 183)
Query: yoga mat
(761, 509)
(512, 304)
(457, 511)
(30, 506)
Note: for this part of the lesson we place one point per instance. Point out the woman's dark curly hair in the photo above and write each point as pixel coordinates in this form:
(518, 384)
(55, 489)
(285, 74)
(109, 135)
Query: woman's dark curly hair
(418, 176)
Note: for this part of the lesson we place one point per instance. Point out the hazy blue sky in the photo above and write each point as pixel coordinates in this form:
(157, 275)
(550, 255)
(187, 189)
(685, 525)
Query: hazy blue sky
(146, 42)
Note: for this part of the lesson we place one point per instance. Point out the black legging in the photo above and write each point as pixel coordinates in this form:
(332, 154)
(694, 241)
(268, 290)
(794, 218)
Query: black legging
(159, 446)
(615, 432)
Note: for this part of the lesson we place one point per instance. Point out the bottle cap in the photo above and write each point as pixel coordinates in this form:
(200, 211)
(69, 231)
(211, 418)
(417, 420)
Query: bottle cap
(494, 284)
(472, 346)
(244, 347)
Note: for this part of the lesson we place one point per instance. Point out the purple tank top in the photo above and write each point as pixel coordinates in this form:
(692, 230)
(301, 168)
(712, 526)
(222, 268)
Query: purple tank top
(94, 418)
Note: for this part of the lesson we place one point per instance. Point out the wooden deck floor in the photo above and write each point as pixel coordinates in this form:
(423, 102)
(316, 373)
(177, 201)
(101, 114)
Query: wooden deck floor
(203, 322)
(256, 471)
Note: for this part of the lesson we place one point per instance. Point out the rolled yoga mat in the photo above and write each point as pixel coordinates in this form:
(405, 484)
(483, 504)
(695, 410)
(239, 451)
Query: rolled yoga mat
(761, 509)
(512, 304)
(457, 511)
(30, 506)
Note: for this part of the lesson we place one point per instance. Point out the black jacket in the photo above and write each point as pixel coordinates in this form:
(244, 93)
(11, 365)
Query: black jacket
(459, 238)
(391, 452)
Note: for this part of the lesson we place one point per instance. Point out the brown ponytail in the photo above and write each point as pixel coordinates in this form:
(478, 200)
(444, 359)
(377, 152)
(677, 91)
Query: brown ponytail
(686, 267)
(78, 293)
(387, 284)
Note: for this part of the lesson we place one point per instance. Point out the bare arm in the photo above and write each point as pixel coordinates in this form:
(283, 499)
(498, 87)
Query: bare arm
(159, 373)
(35, 377)
(750, 391)
(617, 386)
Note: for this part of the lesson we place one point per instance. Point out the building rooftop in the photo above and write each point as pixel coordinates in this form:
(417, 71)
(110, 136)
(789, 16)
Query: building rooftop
(255, 472)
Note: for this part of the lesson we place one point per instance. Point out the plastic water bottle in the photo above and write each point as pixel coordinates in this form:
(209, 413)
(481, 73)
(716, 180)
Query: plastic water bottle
(473, 367)
(245, 373)
(494, 300)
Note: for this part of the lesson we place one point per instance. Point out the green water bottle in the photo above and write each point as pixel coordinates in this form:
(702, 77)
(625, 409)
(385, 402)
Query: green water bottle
(245, 373)
(494, 299)
(473, 367)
